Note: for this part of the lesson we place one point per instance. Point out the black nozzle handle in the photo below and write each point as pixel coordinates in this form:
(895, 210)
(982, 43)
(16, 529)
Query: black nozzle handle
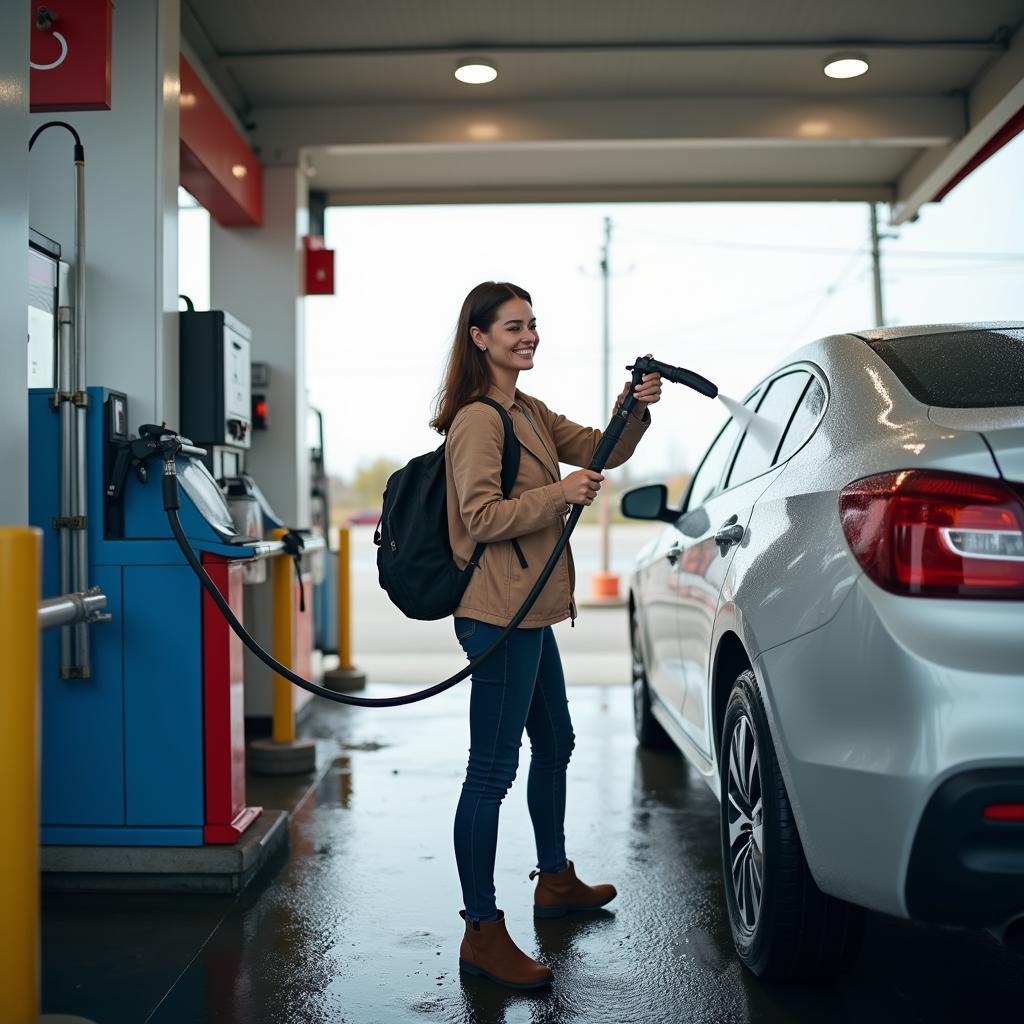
(676, 374)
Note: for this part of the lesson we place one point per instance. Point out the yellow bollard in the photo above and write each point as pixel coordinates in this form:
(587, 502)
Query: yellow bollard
(344, 601)
(19, 773)
(282, 753)
(284, 638)
(346, 676)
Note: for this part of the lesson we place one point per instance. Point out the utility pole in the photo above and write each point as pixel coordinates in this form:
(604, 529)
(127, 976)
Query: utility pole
(604, 585)
(876, 266)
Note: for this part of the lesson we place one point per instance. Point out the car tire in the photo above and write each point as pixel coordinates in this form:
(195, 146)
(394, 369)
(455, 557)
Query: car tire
(783, 925)
(649, 732)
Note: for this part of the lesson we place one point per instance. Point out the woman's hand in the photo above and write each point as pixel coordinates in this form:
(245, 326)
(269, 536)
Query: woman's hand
(647, 392)
(581, 486)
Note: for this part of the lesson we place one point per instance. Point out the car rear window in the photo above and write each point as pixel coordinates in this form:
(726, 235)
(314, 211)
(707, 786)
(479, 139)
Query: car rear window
(960, 369)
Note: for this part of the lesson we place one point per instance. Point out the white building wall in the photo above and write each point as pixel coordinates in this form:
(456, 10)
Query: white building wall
(131, 180)
(14, 135)
(256, 276)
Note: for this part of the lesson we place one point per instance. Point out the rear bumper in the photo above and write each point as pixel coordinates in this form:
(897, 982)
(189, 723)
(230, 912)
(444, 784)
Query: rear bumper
(872, 716)
(963, 868)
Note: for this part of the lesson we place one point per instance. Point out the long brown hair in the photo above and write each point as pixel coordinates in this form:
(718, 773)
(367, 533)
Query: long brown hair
(466, 374)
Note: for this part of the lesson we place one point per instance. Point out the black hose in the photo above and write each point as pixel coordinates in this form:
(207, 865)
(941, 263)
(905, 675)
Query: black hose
(600, 459)
(367, 702)
(79, 148)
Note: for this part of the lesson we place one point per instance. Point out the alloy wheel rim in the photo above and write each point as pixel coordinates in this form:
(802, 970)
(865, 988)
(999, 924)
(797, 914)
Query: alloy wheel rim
(745, 815)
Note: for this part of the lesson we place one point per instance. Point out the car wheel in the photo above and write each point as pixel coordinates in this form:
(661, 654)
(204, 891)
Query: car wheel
(783, 925)
(649, 732)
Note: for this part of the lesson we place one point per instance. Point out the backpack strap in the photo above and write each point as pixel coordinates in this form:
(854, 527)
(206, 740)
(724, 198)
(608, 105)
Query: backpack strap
(511, 452)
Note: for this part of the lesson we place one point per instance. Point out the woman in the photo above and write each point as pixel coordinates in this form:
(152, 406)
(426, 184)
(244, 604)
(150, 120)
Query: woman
(521, 684)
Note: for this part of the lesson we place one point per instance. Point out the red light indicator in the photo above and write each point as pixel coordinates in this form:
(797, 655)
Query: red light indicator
(1004, 812)
(259, 412)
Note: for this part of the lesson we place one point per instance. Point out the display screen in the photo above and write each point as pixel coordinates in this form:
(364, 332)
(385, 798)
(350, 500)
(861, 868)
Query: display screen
(42, 319)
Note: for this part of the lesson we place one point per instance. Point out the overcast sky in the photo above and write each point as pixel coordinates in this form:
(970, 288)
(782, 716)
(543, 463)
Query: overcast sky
(725, 289)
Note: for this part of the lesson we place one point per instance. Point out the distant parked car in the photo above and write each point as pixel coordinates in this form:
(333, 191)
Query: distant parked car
(364, 517)
(831, 630)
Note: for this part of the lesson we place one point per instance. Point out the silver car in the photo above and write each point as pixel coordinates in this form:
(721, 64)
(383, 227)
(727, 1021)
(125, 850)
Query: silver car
(831, 630)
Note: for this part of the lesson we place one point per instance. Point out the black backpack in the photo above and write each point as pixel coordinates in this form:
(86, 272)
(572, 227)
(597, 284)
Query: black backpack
(414, 556)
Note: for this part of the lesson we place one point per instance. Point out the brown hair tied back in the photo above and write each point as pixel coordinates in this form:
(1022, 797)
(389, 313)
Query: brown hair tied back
(466, 375)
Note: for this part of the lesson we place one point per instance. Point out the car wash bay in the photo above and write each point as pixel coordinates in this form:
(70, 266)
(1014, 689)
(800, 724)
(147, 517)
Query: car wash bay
(356, 923)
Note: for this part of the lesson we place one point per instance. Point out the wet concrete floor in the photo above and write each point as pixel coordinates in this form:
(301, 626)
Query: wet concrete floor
(358, 923)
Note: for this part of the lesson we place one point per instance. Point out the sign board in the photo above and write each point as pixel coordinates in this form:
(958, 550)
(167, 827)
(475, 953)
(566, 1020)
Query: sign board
(70, 55)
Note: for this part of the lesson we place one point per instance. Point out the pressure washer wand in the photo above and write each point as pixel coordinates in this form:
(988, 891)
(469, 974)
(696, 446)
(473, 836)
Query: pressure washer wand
(171, 445)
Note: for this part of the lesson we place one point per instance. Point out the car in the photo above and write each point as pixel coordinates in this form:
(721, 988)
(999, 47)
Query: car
(363, 517)
(831, 630)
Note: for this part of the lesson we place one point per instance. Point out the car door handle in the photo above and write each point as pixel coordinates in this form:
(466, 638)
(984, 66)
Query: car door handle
(673, 553)
(728, 534)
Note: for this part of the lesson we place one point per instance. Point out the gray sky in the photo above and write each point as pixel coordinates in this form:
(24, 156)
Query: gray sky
(725, 289)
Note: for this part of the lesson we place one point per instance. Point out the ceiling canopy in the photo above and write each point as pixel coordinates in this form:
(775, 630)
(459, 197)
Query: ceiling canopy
(602, 100)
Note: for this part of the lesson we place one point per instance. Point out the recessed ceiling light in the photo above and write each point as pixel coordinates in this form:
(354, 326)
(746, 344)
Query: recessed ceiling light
(239, 170)
(846, 65)
(476, 72)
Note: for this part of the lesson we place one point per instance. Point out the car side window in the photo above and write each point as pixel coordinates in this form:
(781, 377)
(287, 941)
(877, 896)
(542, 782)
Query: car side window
(804, 419)
(706, 479)
(764, 431)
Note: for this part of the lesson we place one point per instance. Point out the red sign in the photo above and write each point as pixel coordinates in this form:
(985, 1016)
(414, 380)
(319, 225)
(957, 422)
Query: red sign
(70, 55)
(319, 266)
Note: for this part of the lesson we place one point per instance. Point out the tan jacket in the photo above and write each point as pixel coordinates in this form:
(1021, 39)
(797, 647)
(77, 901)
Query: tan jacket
(535, 511)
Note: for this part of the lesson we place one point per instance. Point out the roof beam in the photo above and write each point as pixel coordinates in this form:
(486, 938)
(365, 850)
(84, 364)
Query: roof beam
(610, 194)
(929, 46)
(991, 103)
(280, 133)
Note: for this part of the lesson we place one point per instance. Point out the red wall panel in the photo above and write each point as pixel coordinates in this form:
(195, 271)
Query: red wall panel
(217, 165)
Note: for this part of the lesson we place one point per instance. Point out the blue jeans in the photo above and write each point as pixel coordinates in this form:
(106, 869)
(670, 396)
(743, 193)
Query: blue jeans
(520, 685)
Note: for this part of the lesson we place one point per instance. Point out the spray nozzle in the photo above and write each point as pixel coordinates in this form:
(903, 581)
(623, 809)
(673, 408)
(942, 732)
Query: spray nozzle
(675, 374)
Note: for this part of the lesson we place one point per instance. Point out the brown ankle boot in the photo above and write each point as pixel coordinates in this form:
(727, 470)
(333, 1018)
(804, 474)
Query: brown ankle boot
(558, 892)
(488, 950)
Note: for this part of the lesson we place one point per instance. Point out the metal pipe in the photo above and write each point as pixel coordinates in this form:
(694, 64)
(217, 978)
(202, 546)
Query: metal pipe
(65, 373)
(80, 277)
(80, 537)
(69, 608)
(80, 543)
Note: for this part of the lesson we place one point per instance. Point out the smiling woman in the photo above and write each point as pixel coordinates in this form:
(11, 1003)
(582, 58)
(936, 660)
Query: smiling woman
(507, 533)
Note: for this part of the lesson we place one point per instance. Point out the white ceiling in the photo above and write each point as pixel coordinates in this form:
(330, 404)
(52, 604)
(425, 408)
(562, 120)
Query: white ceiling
(678, 99)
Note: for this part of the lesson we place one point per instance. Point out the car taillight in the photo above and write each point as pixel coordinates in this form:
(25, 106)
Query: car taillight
(1004, 812)
(936, 534)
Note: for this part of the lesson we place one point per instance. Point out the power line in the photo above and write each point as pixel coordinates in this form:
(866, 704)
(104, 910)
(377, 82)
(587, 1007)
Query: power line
(836, 286)
(719, 243)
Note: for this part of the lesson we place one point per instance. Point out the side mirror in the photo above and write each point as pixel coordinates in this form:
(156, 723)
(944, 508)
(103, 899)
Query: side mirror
(648, 502)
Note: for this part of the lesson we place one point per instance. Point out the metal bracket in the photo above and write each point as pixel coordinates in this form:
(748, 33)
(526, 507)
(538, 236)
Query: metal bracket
(81, 398)
(69, 522)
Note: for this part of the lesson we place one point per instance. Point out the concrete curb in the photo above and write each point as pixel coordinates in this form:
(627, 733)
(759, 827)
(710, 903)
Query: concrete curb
(194, 869)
